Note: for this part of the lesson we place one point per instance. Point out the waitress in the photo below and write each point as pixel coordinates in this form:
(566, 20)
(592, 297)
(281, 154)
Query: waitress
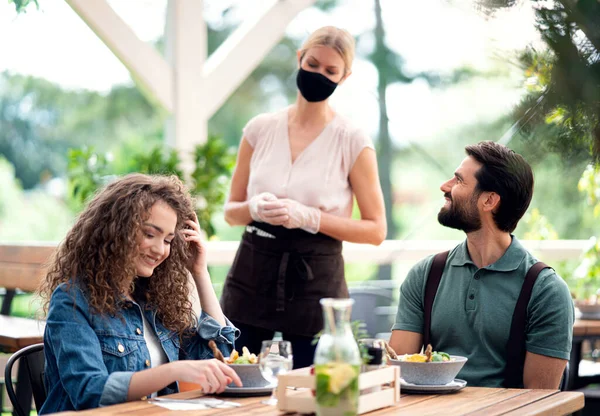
(298, 171)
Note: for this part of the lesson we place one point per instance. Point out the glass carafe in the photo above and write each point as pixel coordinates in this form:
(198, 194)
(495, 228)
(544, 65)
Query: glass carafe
(337, 361)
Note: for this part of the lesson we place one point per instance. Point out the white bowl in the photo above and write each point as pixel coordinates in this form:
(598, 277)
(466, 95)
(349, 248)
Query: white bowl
(431, 374)
(585, 308)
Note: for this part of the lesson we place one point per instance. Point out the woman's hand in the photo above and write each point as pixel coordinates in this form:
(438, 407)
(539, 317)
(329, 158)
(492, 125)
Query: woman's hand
(197, 257)
(265, 207)
(212, 375)
(302, 216)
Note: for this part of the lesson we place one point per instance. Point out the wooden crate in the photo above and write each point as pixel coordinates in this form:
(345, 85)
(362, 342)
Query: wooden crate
(294, 390)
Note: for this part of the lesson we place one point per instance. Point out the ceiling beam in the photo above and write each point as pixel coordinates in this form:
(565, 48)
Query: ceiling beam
(150, 70)
(245, 48)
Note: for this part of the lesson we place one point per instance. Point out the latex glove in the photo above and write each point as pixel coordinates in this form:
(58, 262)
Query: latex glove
(265, 207)
(301, 216)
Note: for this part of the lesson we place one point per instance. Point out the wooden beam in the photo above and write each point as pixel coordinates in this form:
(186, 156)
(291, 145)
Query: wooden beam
(244, 49)
(186, 49)
(150, 70)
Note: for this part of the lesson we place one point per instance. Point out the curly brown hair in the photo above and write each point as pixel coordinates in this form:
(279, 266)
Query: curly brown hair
(98, 253)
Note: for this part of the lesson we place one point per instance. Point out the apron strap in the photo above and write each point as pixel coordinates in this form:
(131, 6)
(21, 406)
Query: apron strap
(300, 270)
(283, 265)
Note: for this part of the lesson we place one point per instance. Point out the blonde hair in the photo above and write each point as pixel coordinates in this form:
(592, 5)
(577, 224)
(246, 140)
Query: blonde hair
(338, 39)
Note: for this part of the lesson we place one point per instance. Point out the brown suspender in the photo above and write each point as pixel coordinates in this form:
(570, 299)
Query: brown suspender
(516, 344)
(433, 281)
(516, 340)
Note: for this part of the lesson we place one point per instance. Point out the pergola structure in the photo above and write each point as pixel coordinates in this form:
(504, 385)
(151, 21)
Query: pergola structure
(187, 83)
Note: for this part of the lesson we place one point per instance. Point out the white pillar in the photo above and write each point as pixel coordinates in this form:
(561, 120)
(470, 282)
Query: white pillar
(186, 48)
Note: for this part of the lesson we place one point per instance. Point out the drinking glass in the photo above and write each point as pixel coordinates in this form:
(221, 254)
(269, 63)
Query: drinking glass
(275, 358)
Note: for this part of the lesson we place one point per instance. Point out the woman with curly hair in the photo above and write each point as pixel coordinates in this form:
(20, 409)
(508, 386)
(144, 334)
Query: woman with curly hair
(119, 319)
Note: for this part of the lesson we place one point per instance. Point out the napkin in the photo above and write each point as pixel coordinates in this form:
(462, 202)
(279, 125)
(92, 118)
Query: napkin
(194, 404)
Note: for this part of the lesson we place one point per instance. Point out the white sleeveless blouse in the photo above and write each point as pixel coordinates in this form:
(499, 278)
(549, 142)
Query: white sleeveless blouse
(319, 175)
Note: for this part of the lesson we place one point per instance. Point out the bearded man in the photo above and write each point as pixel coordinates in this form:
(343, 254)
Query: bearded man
(488, 299)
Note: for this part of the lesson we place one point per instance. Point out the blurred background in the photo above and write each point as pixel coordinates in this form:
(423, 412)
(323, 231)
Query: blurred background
(430, 77)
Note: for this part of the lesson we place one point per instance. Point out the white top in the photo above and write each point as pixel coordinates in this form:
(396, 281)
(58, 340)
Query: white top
(157, 354)
(319, 175)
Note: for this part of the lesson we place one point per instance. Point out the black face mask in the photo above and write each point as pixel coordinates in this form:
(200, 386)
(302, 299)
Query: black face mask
(313, 86)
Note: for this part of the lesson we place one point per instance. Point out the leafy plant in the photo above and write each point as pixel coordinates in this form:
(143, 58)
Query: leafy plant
(590, 185)
(538, 226)
(586, 278)
(587, 274)
(213, 164)
(21, 5)
(86, 172)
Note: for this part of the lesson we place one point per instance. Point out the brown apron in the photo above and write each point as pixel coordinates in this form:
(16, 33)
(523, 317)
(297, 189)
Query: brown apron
(276, 283)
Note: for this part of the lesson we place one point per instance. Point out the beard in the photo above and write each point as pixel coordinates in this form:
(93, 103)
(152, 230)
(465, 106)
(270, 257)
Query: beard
(461, 215)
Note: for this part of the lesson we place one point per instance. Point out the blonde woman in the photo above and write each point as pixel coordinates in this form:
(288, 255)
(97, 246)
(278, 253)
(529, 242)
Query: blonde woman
(298, 170)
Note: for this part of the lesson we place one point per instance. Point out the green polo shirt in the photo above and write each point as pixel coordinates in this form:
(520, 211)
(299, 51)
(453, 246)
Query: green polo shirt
(473, 308)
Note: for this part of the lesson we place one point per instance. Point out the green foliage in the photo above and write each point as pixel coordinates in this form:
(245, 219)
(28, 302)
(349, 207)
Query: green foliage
(29, 216)
(587, 275)
(87, 171)
(564, 80)
(213, 164)
(159, 161)
(39, 122)
(21, 5)
(538, 227)
(586, 278)
(589, 184)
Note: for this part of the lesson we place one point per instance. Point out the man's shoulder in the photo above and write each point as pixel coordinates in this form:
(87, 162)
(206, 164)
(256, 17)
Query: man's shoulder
(423, 266)
(549, 280)
(546, 276)
(549, 285)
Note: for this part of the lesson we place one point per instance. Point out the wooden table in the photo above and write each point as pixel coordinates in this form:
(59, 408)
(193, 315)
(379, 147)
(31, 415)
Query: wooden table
(471, 400)
(16, 333)
(586, 327)
(583, 329)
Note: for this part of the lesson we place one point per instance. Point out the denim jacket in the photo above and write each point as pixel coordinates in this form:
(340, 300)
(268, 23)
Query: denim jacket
(91, 358)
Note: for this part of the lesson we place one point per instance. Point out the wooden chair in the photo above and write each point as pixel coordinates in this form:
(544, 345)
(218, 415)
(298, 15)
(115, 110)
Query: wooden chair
(21, 269)
(32, 359)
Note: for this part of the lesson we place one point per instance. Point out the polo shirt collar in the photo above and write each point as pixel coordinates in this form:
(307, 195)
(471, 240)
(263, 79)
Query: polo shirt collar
(510, 260)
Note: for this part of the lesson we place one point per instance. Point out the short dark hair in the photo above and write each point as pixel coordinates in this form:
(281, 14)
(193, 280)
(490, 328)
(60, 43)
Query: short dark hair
(506, 173)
